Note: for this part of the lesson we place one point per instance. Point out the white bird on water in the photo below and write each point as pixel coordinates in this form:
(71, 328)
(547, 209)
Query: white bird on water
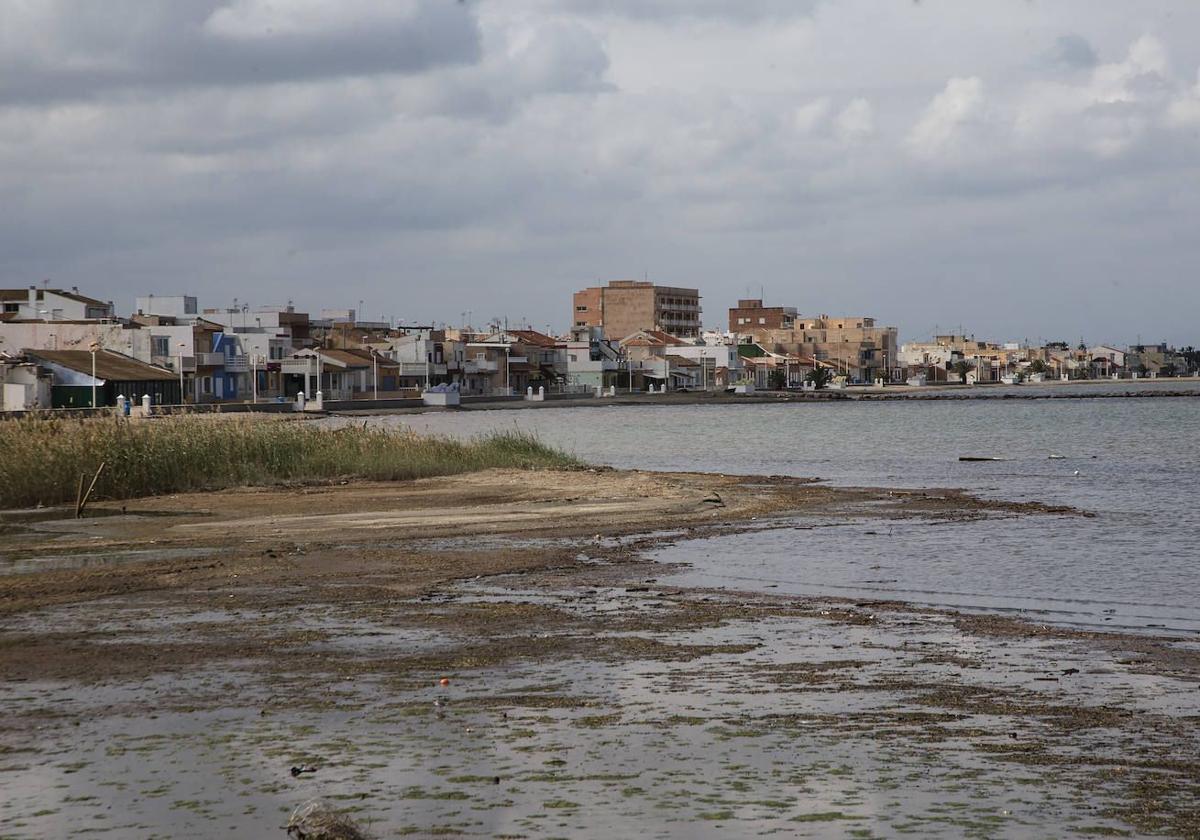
(1077, 473)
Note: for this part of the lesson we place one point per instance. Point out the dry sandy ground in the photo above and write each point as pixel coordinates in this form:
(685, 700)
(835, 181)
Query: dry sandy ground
(260, 530)
(167, 661)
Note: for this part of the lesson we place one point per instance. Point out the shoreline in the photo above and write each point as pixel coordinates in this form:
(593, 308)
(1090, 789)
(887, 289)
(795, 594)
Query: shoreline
(1079, 389)
(328, 613)
(1071, 390)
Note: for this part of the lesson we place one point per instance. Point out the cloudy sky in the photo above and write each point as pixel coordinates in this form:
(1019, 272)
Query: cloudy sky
(1024, 168)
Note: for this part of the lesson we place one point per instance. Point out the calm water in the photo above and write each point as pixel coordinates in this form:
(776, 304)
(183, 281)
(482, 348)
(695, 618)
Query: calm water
(1133, 566)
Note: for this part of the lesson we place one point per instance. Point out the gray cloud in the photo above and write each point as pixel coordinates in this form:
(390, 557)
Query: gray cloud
(696, 9)
(66, 50)
(1072, 51)
(433, 157)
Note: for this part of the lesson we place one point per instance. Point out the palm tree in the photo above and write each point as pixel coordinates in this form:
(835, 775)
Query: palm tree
(820, 377)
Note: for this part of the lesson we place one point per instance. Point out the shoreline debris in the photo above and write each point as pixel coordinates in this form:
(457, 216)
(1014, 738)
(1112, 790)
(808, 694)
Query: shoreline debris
(315, 820)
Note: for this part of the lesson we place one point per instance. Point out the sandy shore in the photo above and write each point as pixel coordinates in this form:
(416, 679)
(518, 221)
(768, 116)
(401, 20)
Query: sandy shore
(168, 662)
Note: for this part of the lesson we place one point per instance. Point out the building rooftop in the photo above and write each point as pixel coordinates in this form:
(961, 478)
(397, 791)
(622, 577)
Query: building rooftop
(534, 337)
(653, 338)
(70, 294)
(349, 358)
(109, 365)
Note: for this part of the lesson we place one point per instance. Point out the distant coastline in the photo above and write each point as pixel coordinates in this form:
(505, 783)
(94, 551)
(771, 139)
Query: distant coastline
(1077, 389)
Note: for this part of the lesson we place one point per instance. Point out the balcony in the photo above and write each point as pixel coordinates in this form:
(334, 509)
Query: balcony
(480, 366)
(172, 363)
(421, 369)
(232, 364)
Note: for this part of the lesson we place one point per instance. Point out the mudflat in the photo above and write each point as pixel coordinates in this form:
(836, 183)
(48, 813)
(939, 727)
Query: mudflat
(201, 664)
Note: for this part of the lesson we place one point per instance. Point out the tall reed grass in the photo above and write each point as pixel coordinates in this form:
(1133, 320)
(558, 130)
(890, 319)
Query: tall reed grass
(41, 460)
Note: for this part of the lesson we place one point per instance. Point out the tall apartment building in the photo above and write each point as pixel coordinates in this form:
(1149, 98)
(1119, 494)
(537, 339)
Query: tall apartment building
(625, 306)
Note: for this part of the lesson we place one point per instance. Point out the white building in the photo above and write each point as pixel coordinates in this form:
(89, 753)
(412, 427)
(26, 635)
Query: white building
(170, 306)
(717, 358)
(53, 305)
(21, 388)
(591, 360)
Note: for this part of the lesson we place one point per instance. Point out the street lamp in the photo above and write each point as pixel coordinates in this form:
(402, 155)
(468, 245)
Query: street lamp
(94, 347)
(254, 377)
(375, 372)
(181, 347)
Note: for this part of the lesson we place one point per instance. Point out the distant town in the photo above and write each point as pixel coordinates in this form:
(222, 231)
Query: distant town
(61, 348)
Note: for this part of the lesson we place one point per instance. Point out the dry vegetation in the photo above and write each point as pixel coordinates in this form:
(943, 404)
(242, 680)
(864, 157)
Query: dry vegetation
(43, 459)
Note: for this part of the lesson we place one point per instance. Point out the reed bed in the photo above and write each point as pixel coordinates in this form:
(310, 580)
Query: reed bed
(41, 460)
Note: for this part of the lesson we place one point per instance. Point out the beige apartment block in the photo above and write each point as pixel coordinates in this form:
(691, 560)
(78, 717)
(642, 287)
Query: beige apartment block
(854, 345)
(625, 306)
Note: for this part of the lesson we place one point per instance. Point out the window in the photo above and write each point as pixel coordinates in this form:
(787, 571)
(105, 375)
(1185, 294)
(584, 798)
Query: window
(581, 309)
(762, 320)
(12, 307)
(206, 385)
(161, 345)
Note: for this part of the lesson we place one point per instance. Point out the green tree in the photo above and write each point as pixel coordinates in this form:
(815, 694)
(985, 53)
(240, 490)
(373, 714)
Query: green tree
(820, 377)
(962, 367)
(1037, 366)
(777, 380)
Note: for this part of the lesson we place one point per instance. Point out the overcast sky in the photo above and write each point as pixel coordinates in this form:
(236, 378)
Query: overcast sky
(1024, 168)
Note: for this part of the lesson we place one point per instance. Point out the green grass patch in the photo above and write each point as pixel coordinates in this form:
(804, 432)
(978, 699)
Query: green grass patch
(825, 816)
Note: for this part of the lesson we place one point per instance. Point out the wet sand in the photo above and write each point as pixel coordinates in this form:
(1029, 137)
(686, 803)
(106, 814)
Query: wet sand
(166, 666)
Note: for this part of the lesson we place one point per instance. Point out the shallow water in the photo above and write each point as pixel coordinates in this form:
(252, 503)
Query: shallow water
(722, 745)
(1131, 462)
